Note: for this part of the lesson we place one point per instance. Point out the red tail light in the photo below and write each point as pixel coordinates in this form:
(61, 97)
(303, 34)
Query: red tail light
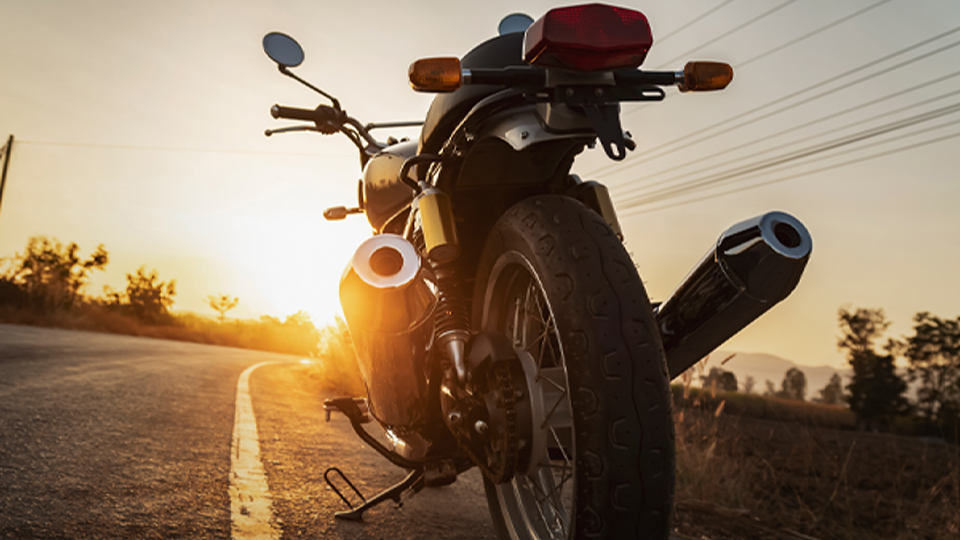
(591, 37)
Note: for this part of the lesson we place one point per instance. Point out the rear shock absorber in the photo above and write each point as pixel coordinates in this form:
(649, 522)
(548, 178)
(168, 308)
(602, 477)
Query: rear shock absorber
(442, 249)
(452, 326)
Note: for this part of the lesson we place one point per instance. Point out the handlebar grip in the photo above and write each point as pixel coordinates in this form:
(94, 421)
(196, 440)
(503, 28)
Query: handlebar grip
(323, 113)
(292, 113)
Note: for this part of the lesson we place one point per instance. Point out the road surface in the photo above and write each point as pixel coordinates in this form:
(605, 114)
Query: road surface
(108, 436)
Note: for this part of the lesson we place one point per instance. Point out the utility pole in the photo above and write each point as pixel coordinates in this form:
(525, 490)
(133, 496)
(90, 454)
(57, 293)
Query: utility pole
(7, 148)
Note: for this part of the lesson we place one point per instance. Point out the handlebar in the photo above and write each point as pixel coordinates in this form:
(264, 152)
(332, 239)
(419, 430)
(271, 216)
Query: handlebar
(328, 120)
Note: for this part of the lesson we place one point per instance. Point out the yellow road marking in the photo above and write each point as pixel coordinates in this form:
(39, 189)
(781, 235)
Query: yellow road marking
(251, 509)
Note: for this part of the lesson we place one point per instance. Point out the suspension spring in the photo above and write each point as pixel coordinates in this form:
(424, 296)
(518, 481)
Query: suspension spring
(451, 308)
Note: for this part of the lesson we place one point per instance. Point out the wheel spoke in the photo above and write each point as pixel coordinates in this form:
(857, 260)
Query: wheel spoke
(517, 308)
(537, 487)
(563, 452)
(556, 507)
(546, 420)
(552, 497)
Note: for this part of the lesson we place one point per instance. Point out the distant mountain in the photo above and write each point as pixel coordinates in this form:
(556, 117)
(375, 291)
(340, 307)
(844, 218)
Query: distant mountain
(767, 367)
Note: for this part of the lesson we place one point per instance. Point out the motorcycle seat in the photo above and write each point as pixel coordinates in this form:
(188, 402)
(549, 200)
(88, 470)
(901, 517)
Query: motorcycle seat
(447, 110)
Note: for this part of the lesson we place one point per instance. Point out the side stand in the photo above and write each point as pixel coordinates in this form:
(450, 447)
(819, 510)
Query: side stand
(413, 481)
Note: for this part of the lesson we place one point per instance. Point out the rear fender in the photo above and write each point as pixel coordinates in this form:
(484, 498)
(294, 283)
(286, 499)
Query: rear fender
(522, 128)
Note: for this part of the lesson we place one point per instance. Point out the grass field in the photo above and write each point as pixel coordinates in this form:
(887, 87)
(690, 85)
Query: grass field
(805, 474)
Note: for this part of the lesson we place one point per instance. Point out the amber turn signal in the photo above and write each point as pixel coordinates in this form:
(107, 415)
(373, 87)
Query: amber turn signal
(706, 76)
(436, 74)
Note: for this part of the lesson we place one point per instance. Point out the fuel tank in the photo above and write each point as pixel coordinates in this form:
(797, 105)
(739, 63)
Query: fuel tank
(383, 193)
(754, 265)
(388, 297)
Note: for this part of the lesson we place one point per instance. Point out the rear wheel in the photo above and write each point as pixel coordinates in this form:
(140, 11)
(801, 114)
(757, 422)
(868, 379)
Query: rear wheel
(599, 459)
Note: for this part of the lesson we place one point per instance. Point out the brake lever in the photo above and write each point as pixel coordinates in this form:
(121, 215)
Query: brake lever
(269, 132)
(336, 213)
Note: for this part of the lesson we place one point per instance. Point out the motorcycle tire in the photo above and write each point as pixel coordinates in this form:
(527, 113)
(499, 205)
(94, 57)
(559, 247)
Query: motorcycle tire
(558, 281)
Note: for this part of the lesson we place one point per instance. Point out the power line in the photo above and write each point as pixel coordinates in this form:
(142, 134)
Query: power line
(174, 149)
(797, 104)
(738, 174)
(729, 32)
(807, 152)
(781, 133)
(798, 175)
(695, 21)
(812, 33)
(835, 155)
(741, 65)
(725, 123)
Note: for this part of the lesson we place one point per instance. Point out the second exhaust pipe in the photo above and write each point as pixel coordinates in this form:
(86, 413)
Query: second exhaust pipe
(755, 264)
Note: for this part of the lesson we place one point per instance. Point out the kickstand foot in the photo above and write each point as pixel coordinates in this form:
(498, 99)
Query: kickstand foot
(413, 481)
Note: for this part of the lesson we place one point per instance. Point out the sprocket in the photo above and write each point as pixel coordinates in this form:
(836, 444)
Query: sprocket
(487, 417)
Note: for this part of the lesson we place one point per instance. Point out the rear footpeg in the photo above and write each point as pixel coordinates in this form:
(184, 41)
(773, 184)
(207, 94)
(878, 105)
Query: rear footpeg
(414, 481)
(351, 407)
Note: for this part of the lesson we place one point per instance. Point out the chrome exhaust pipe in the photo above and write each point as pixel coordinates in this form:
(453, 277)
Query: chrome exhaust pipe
(388, 300)
(755, 264)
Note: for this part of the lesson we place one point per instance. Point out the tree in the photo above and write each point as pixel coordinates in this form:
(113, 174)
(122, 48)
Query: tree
(771, 390)
(52, 274)
(749, 384)
(725, 380)
(832, 393)
(222, 304)
(875, 390)
(934, 354)
(794, 385)
(149, 298)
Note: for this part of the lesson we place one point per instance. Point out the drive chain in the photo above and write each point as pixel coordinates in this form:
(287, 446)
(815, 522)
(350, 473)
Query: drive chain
(510, 455)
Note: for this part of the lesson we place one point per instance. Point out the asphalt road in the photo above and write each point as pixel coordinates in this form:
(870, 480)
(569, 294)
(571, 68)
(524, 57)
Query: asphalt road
(105, 436)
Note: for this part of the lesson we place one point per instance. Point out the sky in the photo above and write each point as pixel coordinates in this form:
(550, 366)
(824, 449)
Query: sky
(139, 125)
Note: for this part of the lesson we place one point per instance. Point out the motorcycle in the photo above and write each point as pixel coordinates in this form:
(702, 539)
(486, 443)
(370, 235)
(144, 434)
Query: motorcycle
(497, 319)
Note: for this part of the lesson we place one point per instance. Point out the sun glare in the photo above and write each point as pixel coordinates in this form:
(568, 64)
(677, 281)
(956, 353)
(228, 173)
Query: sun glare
(293, 263)
(311, 282)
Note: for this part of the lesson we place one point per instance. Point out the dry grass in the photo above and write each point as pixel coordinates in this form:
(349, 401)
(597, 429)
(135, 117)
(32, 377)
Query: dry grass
(338, 362)
(768, 408)
(742, 477)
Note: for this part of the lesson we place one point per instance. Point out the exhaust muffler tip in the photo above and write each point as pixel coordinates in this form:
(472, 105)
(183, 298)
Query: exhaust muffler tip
(765, 256)
(781, 232)
(784, 234)
(386, 261)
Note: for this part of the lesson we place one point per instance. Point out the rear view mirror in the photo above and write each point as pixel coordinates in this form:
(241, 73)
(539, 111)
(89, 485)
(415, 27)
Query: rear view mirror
(514, 23)
(283, 49)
